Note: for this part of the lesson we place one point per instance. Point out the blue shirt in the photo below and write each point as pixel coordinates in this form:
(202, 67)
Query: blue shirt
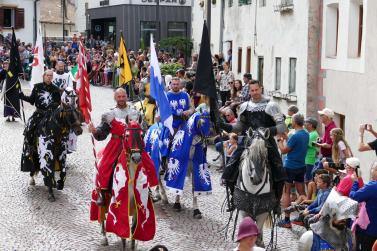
(316, 206)
(298, 143)
(179, 102)
(367, 193)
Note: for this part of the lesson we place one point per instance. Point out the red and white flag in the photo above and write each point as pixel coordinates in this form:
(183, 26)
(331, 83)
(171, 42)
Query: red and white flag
(83, 85)
(38, 62)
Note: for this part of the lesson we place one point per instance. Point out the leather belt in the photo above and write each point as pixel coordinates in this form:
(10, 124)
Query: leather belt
(116, 136)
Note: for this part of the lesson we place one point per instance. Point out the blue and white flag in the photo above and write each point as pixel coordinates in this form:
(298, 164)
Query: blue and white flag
(158, 92)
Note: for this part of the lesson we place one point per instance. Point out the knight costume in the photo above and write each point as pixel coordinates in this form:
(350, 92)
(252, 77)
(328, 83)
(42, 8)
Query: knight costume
(262, 114)
(46, 98)
(113, 122)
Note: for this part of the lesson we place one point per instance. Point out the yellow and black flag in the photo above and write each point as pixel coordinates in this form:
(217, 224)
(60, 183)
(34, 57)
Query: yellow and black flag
(125, 75)
(12, 84)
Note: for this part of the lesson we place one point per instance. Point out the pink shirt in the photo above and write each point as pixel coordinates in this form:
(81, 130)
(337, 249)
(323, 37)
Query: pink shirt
(326, 152)
(345, 185)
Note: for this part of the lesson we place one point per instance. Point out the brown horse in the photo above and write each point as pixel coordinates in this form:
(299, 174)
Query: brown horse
(133, 174)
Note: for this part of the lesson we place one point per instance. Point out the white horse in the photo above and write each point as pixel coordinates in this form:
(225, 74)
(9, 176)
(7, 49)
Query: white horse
(254, 195)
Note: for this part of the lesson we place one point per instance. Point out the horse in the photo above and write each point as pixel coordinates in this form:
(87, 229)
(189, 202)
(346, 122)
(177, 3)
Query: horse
(187, 151)
(331, 230)
(133, 174)
(254, 195)
(52, 141)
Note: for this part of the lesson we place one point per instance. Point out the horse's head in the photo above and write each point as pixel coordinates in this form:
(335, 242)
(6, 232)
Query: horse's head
(69, 113)
(133, 140)
(201, 124)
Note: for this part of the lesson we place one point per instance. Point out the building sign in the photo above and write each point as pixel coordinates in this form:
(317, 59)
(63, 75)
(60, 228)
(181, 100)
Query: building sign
(163, 2)
(97, 28)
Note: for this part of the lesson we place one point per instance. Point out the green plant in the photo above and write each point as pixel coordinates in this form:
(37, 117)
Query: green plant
(170, 69)
(176, 44)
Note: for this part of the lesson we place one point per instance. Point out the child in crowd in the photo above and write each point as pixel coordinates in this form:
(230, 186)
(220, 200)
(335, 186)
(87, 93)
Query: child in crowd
(307, 216)
(230, 146)
(301, 203)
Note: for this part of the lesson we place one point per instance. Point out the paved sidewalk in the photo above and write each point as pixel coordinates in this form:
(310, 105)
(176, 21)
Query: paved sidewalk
(28, 221)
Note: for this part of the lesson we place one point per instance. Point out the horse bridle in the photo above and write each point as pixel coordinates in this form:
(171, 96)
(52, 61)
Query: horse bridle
(133, 153)
(254, 134)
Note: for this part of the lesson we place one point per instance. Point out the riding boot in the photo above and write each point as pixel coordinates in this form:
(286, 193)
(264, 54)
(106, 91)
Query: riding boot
(60, 185)
(101, 198)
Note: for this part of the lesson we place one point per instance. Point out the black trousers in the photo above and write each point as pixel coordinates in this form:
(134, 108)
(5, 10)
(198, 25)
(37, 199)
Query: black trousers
(225, 96)
(363, 241)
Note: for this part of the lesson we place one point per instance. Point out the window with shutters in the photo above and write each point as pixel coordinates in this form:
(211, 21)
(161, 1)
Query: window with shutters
(8, 20)
(12, 17)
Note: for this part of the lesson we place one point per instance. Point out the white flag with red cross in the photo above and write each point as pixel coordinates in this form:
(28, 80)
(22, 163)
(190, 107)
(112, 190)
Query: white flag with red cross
(38, 62)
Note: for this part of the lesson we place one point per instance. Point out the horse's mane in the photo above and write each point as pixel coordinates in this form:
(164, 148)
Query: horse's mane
(255, 158)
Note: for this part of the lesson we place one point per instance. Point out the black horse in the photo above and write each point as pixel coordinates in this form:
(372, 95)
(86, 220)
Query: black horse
(51, 140)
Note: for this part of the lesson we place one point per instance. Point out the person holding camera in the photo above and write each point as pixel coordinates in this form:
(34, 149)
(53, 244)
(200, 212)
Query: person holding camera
(370, 145)
(340, 152)
(345, 185)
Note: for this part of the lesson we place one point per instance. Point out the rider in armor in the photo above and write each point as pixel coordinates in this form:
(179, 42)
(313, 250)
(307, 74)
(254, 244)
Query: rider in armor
(261, 112)
(46, 98)
(113, 122)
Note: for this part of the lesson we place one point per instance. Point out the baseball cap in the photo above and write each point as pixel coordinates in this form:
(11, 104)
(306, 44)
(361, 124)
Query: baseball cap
(247, 228)
(327, 112)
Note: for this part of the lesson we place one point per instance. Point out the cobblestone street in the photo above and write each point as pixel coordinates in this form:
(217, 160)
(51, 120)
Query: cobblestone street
(28, 221)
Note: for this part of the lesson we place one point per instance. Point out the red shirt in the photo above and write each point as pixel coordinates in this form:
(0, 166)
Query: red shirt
(326, 152)
(345, 185)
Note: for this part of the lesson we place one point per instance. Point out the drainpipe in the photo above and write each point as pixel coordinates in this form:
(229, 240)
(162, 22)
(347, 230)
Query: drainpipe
(209, 19)
(35, 20)
(222, 25)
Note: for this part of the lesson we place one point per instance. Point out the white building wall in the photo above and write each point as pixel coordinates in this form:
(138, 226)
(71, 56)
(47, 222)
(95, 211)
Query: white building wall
(198, 17)
(278, 34)
(56, 30)
(352, 91)
(80, 15)
(25, 34)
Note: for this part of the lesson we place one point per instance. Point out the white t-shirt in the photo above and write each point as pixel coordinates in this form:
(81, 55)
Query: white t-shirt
(62, 81)
(342, 147)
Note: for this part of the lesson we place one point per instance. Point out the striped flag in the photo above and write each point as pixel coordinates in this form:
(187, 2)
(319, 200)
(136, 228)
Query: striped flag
(84, 92)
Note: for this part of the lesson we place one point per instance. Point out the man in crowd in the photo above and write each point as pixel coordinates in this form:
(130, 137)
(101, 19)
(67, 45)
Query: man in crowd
(294, 164)
(370, 145)
(113, 122)
(311, 127)
(62, 79)
(366, 235)
(326, 117)
(245, 95)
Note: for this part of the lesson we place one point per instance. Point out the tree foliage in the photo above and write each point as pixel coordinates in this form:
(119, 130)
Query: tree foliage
(170, 69)
(177, 44)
